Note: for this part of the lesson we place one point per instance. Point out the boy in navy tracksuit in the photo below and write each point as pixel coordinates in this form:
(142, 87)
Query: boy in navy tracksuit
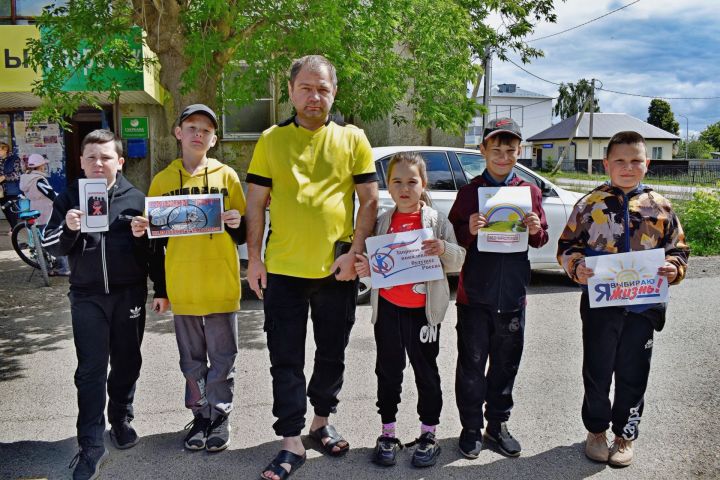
(108, 291)
(491, 299)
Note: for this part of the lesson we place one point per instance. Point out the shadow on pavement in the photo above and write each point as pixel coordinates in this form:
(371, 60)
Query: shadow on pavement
(162, 456)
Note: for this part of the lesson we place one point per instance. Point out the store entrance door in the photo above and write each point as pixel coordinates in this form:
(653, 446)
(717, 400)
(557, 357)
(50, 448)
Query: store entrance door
(81, 123)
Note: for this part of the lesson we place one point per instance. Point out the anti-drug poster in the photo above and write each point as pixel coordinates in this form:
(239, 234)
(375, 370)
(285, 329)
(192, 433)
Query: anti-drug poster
(627, 279)
(94, 204)
(182, 215)
(504, 209)
(398, 258)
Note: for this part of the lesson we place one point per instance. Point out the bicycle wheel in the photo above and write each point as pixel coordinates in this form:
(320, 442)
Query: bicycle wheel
(40, 256)
(23, 243)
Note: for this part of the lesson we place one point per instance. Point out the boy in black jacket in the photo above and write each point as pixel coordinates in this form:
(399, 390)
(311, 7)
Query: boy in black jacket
(108, 290)
(491, 299)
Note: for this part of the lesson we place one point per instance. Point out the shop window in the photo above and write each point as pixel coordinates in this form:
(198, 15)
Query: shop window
(23, 12)
(247, 122)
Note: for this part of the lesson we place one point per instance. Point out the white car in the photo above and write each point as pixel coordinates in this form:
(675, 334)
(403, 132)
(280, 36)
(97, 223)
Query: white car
(450, 168)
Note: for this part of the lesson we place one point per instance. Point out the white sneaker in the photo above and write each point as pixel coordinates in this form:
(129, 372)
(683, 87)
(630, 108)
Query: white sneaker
(596, 447)
(621, 452)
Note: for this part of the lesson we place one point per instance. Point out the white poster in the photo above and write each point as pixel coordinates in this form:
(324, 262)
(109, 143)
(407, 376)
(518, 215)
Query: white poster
(627, 279)
(398, 259)
(94, 204)
(504, 209)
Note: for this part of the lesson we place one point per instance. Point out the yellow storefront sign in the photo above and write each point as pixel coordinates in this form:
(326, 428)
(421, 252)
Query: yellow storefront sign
(15, 74)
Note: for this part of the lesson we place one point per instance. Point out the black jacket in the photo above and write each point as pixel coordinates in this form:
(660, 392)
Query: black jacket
(103, 262)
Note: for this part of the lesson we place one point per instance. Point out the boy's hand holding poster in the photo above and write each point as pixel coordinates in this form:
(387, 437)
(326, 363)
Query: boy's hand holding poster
(398, 259)
(627, 279)
(182, 215)
(504, 209)
(94, 204)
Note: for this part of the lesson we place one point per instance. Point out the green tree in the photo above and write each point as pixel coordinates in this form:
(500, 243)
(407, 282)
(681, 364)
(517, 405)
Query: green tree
(660, 114)
(696, 149)
(572, 97)
(711, 135)
(387, 51)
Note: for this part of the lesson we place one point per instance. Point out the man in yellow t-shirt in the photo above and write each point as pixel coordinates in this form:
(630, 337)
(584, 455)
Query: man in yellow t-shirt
(311, 166)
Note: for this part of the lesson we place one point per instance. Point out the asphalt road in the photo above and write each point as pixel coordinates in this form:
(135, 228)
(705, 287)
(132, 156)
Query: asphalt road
(680, 430)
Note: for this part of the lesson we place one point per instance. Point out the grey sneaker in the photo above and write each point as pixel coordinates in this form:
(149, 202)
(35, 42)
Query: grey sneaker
(470, 443)
(498, 435)
(197, 436)
(218, 435)
(427, 451)
(87, 462)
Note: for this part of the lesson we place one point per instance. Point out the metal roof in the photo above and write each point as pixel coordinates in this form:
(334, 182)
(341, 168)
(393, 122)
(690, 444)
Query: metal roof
(605, 125)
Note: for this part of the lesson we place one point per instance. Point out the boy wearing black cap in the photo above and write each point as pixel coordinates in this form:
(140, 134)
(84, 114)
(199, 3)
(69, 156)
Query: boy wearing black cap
(203, 280)
(491, 299)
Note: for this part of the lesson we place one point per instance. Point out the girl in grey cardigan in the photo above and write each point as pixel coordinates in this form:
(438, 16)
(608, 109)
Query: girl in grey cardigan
(407, 317)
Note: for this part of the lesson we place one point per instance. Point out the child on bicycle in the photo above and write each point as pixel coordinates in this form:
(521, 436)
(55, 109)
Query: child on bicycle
(37, 189)
(407, 317)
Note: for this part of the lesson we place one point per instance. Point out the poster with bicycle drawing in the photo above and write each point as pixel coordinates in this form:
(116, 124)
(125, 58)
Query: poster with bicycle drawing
(398, 258)
(182, 215)
(504, 209)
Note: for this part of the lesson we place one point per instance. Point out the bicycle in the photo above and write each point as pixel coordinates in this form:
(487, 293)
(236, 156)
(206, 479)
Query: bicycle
(26, 240)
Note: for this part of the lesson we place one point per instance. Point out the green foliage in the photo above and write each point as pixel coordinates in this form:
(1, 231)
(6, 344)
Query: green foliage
(696, 149)
(387, 52)
(660, 114)
(572, 98)
(711, 135)
(701, 222)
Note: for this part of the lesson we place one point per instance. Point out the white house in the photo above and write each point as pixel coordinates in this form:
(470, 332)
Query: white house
(532, 111)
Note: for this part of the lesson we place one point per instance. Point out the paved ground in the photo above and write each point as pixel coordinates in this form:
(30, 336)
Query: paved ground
(680, 429)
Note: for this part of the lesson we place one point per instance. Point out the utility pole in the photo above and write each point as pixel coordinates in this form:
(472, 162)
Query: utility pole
(591, 106)
(487, 66)
(687, 134)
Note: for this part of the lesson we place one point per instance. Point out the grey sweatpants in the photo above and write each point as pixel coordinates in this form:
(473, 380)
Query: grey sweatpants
(208, 339)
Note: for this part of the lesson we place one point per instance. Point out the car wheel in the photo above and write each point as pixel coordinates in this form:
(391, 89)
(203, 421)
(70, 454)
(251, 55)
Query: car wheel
(363, 290)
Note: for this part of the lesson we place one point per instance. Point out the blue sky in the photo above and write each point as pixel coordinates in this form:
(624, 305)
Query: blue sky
(666, 48)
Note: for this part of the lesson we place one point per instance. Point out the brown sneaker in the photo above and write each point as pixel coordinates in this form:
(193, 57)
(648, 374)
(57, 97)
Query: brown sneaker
(596, 447)
(621, 452)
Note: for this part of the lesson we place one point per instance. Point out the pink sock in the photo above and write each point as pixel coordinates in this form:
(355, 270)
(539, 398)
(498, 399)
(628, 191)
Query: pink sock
(427, 428)
(388, 429)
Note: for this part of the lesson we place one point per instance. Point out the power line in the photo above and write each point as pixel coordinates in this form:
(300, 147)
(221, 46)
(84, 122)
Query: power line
(616, 91)
(582, 24)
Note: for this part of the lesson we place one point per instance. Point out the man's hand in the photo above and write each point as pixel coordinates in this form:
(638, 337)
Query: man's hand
(433, 246)
(257, 277)
(477, 221)
(532, 222)
(344, 267)
(583, 273)
(160, 305)
(362, 265)
(139, 226)
(231, 218)
(669, 271)
(73, 219)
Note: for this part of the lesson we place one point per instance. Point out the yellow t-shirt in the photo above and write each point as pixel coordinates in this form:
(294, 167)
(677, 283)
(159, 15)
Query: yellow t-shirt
(202, 272)
(312, 177)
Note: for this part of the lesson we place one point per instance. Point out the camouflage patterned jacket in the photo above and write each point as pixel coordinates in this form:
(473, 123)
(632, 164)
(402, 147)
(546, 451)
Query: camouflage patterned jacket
(608, 221)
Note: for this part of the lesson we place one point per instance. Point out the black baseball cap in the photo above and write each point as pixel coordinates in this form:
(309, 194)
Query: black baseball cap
(500, 125)
(199, 108)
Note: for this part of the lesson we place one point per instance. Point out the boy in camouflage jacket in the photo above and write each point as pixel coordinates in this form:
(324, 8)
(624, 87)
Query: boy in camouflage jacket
(619, 216)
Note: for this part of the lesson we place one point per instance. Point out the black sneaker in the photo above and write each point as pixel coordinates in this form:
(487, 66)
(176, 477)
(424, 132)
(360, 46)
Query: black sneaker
(386, 449)
(218, 434)
(87, 462)
(197, 436)
(499, 436)
(426, 452)
(470, 443)
(123, 435)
